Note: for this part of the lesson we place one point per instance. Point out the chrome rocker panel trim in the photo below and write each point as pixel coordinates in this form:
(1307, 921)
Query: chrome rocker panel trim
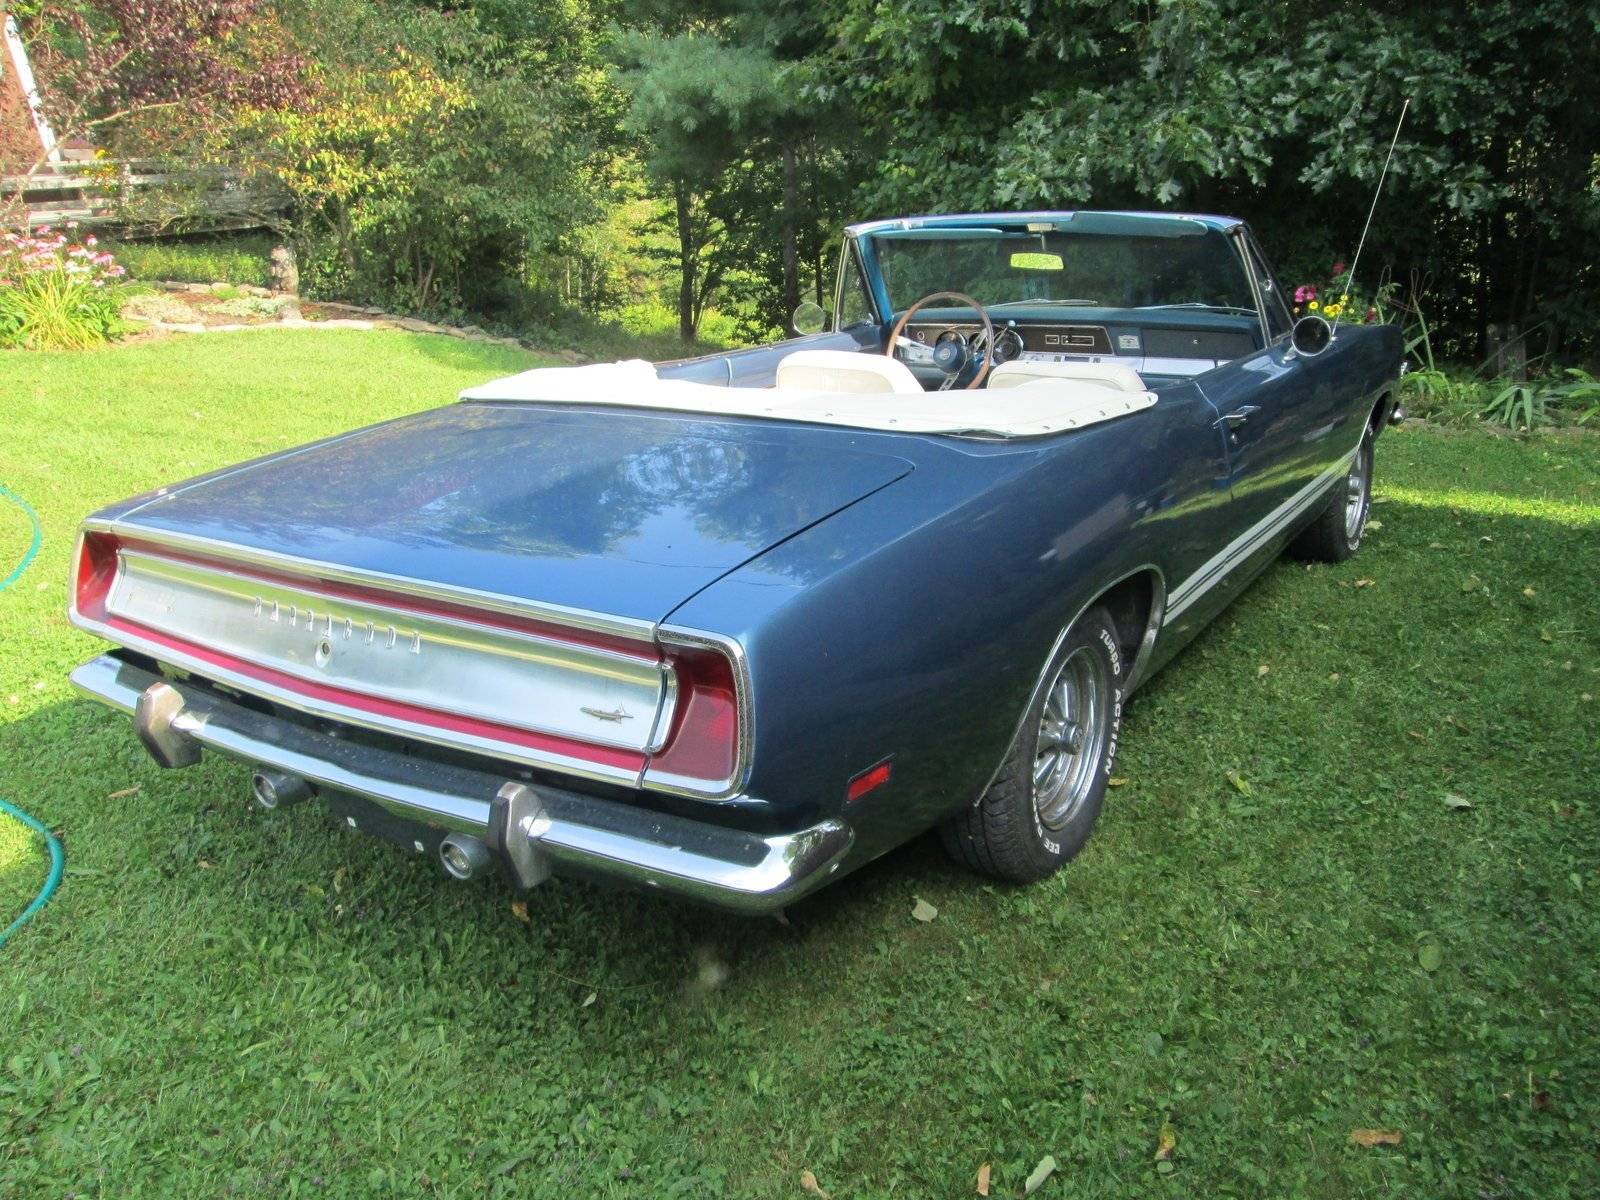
(583, 835)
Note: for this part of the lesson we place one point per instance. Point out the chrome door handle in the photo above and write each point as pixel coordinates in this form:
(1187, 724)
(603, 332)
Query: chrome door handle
(1239, 416)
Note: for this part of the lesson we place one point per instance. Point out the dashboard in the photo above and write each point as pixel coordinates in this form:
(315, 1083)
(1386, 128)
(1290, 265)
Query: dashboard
(1158, 348)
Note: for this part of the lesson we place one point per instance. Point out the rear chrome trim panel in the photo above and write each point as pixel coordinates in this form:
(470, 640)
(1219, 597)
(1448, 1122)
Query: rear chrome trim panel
(733, 869)
(601, 656)
(509, 677)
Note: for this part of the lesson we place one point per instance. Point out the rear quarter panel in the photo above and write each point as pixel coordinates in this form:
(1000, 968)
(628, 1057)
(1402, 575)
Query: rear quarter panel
(915, 623)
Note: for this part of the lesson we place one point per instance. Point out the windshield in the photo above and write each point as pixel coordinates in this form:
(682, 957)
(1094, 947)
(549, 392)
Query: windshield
(1197, 267)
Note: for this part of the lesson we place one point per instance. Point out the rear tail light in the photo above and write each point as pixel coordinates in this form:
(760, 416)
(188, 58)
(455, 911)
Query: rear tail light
(93, 569)
(701, 749)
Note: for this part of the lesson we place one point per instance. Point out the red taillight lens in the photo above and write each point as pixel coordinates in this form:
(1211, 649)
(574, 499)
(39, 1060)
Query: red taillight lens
(703, 743)
(95, 569)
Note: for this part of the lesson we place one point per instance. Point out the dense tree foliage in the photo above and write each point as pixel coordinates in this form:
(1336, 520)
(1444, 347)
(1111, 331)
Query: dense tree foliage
(484, 153)
(1279, 113)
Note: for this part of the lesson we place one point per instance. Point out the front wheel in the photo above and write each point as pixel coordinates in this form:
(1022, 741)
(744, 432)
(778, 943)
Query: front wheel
(1042, 805)
(1336, 533)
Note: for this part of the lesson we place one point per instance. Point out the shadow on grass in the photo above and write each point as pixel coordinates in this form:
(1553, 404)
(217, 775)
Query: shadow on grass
(190, 844)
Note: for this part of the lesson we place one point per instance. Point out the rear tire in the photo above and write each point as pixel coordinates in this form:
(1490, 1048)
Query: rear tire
(1336, 533)
(1042, 805)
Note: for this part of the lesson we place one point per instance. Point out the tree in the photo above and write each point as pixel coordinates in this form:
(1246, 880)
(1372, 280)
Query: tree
(736, 126)
(1281, 114)
(112, 64)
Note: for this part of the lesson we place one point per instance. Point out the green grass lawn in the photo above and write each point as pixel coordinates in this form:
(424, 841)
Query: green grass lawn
(1388, 922)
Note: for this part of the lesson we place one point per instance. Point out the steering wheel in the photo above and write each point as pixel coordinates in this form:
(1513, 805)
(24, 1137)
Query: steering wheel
(951, 363)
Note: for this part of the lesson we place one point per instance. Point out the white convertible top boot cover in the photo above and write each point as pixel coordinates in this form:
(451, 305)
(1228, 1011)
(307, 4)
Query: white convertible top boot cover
(1032, 409)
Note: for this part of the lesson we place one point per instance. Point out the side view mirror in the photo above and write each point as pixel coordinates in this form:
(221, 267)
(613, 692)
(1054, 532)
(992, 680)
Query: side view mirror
(809, 318)
(1311, 336)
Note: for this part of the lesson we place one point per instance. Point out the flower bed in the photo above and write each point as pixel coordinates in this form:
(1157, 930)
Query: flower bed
(56, 292)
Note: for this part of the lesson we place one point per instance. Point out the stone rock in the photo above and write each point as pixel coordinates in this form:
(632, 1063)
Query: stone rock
(285, 269)
(197, 287)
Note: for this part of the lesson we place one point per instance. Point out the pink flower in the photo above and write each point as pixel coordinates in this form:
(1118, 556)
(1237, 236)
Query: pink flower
(1338, 268)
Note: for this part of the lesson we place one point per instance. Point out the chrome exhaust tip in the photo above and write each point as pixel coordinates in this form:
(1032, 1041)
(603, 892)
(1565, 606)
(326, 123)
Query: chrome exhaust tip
(464, 856)
(275, 789)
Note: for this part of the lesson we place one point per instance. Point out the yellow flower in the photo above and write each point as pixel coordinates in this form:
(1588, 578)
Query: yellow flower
(1333, 310)
(1313, 306)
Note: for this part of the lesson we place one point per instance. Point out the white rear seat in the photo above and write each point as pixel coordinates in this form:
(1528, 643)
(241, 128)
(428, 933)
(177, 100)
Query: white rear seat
(1103, 375)
(850, 371)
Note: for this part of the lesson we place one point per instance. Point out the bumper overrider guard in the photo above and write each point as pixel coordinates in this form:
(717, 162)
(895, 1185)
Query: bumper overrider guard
(531, 830)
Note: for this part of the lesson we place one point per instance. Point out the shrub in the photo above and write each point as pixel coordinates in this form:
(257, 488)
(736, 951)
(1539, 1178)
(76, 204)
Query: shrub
(56, 294)
(228, 259)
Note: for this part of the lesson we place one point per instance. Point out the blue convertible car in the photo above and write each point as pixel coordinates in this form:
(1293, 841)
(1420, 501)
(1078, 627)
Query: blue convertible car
(734, 626)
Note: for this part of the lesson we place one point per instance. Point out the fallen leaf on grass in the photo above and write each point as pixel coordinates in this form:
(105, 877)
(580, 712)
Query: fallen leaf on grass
(808, 1183)
(983, 1180)
(1262, 670)
(1430, 957)
(1375, 1137)
(923, 911)
(589, 999)
(1374, 526)
(1412, 733)
(1116, 781)
(519, 910)
(1546, 636)
(1451, 800)
(1361, 583)
(124, 792)
(1240, 783)
(1529, 593)
(1167, 1143)
(1045, 1169)
(1471, 584)
(1437, 546)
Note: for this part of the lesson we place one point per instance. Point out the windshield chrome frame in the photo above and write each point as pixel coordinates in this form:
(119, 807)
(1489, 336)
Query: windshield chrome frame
(850, 251)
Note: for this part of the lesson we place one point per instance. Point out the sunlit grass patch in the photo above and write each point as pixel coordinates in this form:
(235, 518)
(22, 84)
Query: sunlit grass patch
(1565, 512)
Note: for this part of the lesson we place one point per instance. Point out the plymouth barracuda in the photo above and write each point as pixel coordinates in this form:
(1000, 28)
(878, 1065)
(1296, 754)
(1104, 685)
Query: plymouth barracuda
(733, 626)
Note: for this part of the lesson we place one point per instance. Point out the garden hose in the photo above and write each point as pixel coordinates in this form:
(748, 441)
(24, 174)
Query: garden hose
(33, 543)
(57, 858)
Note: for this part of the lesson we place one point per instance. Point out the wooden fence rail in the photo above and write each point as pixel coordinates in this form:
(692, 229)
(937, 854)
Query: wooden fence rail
(138, 197)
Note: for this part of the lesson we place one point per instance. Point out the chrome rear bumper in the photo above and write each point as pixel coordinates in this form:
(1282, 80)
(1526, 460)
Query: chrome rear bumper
(532, 828)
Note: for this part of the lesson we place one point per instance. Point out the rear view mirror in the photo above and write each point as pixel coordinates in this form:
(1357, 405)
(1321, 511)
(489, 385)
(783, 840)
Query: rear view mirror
(809, 318)
(1032, 260)
(1311, 336)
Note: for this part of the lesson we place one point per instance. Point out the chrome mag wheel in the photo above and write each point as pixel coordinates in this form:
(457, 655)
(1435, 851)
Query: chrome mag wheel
(1072, 737)
(1357, 493)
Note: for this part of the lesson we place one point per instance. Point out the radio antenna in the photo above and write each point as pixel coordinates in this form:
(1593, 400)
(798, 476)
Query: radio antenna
(1378, 191)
